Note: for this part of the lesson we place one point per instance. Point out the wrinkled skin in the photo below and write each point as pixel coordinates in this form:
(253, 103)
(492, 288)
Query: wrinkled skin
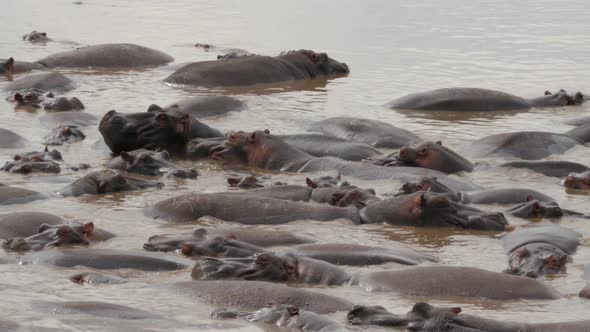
(205, 106)
(430, 209)
(51, 236)
(371, 132)
(147, 130)
(480, 100)
(44, 82)
(431, 155)
(107, 56)
(36, 37)
(325, 146)
(16, 195)
(150, 163)
(197, 128)
(377, 315)
(528, 145)
(556, 168)
(94, 278)
(106, 182)
(537, 259)
(10, 66)
(67, 134)
(11, 140)
(251, 70)
(580, 181)
(429, 184)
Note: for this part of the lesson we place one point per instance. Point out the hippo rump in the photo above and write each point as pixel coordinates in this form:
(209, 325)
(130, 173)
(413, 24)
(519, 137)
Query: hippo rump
(45, 82)
(256, 69)
(11, 140)
(107, 56)
(10, 66)
(204, 106)
(480, 100)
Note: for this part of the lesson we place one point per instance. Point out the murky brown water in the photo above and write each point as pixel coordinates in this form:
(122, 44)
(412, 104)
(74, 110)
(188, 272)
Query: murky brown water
(392, 47)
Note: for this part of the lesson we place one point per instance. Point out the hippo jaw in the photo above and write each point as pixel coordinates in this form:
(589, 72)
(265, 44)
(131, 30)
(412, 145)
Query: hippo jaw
(266, 267)
(579, 181)
(51, 236)
(536, 209)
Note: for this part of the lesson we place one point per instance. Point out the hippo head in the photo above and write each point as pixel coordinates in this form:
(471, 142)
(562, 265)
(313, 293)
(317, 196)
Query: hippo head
(29, 98)
(428, 183)
(265, 267)
(537, 259)
(36, 37)
(219, 246)
(353, 196)
(536, 209)
(431, 209)
(65, 134)
(34, 162)
(326, 181)
(577, 181)
(279, 314)
(148, 130)
(431, 155)
(560, 98)
(241, 148)
(52, 236)
(174, 242)
(63, 104)
(377, 315)
(7, 67)
(316, 64)
(108, 183)
(245, 182)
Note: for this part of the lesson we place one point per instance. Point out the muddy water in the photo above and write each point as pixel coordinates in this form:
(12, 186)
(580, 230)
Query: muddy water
(392, 48)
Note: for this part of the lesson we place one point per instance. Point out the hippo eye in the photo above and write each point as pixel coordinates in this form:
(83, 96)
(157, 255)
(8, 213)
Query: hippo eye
(145, 158)
(403, 154)
(424, 151)
(262, 259)
(405, 187)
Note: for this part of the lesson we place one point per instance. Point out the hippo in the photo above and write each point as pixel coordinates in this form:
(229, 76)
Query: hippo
(428, 183)
(431, 155)
(371, 132)
(287, 316)
(23, 224)
(539, 250)
(326, 181)
(256, 69)
(503, 196)
(205, 106)
(106, 182)
(107, 259)
(528, 145)
(148, 162)
(582, 133)
(480, 100)
(579, 181)
(245, 182)
(415, 281)
(82, 119)
(254, 209)
(11, 140)
(16, 195)
(56, 236)
(100, 309)
(154, 130)
(95, 278)
(263, 150)
(197, 128)
(36, 37)
(45, 82)
(578, 121)
(10, 66)
(107, 56)
(555, 168)
(325, 146)
(253, 236)
(379, 316)
(535, 209)
(585, 293)
(34, 164)
(424, 208)
(64, 134)
(37, 99)
(253, 295)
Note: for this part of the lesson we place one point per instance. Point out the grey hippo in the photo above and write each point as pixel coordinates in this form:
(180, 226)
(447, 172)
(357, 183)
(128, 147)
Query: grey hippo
(578, 181)
(10, 66)
(33, 99)
(251, 70)
(323, 146)
(371, 132)
(17, 195)
(34, 161)
(206, 106)
(415, 281)
(102, 182)
(262, 150)
(23, 224)
(538, 250)
(50, 81)
(480, 100)
(555, 168)
(11, 140)
(65, 134)
(150, 163)
(55, 119)
(36, 37)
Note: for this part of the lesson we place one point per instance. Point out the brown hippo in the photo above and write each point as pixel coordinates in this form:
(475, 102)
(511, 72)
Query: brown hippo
(256, 69)
(416, 281)
(11, 140)
(579, 181)
(107, 56)
(106, 182)
(480, 100)
(44, 82)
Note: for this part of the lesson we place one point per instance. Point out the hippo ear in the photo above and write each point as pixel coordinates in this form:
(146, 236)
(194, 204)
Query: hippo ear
(372, 191)
(293, 310)
(310, 183)
(155, 108)
(88, 228)
(18, 97)
(266, 131)
(8, 66)
(233, 181)
(186, 249)
(530, 198)
(44, 227)
(253, 137)
(456, 310)
(200, 232)
(291, 268)
(547, 93)
(439, 143)
(126, 156)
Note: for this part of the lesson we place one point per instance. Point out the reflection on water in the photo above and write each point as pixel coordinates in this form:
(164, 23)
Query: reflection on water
(393, 48)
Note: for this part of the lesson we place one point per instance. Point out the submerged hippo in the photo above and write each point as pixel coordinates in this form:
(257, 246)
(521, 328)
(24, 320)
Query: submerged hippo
(95, 278)
(107, 56)
(106, 182)
(263, 150)
(66, 134)
(324, 146)
(204, 106)
(480, 100)
(417, 281)
(536, 251)
(370, 132)
(32, 164)
(579, 181)
(38, 99)
(23, 224)
(44, 82)
(379, 316)
(256, 69)
(10, 66)
(431, 155)
(10, 140)
(253, 295)
(36, 37)
(556, 168)
(82, 119)
(150, 163)
(16, 195)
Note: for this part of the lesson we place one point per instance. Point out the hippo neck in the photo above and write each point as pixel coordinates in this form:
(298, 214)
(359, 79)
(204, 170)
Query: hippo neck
(280, 155)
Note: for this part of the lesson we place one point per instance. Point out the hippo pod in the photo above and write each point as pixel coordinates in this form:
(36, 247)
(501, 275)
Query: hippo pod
(43, 82)
(418, 281)
(106, 182)
(540, 250)
(579, 181)
(480, 100)
(150, 163)
(255, 69)
(35, 98)
(431, 155)
(371, 132)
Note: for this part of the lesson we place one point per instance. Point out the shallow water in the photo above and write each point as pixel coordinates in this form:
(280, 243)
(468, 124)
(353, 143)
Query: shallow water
(392, 48)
